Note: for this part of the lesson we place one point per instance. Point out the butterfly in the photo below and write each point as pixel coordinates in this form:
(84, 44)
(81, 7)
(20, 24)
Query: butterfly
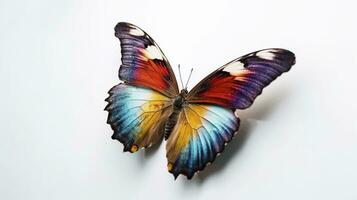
(197, 125)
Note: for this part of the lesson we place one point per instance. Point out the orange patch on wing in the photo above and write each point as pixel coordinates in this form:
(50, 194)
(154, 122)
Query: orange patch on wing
(242, 75)
(169, 166)
(134, 148)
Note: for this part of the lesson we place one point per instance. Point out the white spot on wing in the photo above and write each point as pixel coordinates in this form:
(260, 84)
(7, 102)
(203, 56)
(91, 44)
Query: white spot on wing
(236, 113)
(152, 52)
(136, 32)
(268, 54)
(234, 67)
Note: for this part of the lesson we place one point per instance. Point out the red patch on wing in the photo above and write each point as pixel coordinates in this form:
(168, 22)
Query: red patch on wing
(222, 93)
(152, 75)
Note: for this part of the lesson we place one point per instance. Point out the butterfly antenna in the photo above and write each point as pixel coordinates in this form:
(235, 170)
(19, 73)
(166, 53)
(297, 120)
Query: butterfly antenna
(188, 78)
(179, 68)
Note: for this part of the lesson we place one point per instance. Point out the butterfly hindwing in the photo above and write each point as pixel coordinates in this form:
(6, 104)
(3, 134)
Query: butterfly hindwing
(238, 83)
(143, 62)
(137, 115)
(200, 134)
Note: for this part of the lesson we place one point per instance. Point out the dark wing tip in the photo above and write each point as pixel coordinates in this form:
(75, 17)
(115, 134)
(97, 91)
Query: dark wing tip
(122, 25)
(280, 59)
(125, 28)
(285, 57)
(272, 54)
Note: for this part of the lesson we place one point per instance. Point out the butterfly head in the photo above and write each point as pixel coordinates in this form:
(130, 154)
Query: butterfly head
(184, 93)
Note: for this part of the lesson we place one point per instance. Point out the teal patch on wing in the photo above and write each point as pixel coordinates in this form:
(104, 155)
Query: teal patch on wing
(136, 115)
(200, 134)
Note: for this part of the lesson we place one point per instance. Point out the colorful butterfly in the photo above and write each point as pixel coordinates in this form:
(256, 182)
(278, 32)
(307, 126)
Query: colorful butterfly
(197, 124)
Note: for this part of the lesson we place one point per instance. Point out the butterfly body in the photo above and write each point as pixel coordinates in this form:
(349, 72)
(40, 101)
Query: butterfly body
(178, 103)
(196, 124)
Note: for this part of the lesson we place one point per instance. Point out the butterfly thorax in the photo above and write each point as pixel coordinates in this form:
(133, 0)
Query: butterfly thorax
(176, 109)
(179, 100)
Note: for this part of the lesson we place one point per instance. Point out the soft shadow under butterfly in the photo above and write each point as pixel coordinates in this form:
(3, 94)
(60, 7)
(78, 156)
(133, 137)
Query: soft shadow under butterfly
(197, 124)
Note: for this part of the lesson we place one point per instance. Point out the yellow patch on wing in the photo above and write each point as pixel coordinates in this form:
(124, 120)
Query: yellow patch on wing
(193, 117)
(155, 111)
(190, 120)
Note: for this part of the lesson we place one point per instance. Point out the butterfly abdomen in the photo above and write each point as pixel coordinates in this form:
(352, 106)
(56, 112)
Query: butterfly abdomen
(172, 120)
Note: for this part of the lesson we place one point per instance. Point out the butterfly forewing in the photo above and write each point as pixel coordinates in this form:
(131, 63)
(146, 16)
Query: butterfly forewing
(237, 84)
(143, 62)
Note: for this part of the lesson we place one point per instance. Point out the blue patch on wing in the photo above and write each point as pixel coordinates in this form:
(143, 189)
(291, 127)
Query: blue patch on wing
(131, 110)
(218, 126)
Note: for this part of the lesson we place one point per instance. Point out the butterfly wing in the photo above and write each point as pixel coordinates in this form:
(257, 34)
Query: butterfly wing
(238, 83)
(207, 122)
(139, 107)
(143, 62)
(137, 115)
(199, 135)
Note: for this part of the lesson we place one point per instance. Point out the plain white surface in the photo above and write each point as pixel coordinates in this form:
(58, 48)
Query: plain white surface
(58, 59)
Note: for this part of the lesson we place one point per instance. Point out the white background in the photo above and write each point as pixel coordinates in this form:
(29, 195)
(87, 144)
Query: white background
(58, 59)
